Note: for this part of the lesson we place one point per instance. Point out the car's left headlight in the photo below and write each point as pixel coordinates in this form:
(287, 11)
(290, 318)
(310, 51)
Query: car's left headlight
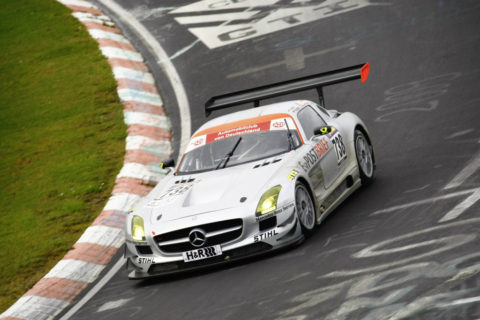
(138, 230)
(268, 201)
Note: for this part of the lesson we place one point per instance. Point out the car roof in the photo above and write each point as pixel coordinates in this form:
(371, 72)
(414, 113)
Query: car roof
(274, 108)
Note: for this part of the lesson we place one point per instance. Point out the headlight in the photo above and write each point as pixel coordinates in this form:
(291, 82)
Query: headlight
(138, 232)
(268, 202)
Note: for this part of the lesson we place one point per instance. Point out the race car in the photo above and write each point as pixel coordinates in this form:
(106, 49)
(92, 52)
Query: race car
(251, 181)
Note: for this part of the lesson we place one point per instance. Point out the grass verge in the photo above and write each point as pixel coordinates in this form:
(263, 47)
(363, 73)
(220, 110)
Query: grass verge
(61, 139)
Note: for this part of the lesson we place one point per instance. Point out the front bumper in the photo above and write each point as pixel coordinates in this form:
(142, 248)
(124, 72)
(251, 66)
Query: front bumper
(253, 242)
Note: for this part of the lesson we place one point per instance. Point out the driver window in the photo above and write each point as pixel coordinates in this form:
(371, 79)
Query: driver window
(310, 120)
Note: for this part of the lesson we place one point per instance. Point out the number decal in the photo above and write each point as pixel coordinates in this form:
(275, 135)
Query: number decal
(339, 147)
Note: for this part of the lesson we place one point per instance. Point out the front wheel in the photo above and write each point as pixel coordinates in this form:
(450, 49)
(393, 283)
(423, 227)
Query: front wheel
(305, 209)
(363, 151)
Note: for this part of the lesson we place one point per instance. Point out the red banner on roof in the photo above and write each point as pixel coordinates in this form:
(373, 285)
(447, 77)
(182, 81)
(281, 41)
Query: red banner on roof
(252, 128)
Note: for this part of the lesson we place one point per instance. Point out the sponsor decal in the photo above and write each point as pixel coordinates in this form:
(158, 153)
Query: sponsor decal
(143, 260)
(292, 175)
(332, 133)
(266, 216)
(211, 20)
(265, 235)
(321, 147)
(171, 193)
(253, 128)
(278, 124)
(314, 155)
(196, 142)
(274, 213)
(202, 253)
(275, 124)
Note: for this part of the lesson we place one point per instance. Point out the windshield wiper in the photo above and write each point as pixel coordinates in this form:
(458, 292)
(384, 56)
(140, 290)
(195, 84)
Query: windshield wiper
(291, 145)
(228, 155)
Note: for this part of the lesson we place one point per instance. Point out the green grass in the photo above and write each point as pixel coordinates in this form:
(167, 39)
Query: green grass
(61, 139)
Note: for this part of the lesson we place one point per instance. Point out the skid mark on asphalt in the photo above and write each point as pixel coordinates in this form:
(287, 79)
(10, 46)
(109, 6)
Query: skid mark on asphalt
(113, 304)
(420, 95)
(423, 201)
(383, 291)
(392, 282)
(460, 133)
(417, 189)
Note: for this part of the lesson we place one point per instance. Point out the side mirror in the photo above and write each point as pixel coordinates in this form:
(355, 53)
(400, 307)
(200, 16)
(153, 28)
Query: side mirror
(320, 131)
(167, 163)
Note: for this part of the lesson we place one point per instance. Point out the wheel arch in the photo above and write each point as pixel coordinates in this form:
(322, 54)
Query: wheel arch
(362, 129)
(304, 181)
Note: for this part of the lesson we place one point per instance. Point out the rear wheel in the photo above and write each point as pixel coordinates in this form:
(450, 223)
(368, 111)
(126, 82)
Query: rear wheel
(305, 209)
(363, 151)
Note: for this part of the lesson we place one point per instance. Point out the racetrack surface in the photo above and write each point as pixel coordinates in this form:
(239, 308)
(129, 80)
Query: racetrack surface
(406, 246)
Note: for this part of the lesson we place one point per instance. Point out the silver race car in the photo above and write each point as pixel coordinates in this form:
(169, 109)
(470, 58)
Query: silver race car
(252, 181)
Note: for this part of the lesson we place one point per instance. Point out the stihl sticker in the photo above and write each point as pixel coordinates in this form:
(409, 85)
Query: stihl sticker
(221, 22)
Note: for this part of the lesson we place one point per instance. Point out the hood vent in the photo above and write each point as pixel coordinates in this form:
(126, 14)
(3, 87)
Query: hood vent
(266, 163)
(185, 180)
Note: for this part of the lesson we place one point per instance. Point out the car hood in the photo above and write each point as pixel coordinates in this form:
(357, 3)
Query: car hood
(187, 195)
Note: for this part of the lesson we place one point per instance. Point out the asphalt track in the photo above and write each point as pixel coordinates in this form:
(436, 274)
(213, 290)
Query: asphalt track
(406, 247)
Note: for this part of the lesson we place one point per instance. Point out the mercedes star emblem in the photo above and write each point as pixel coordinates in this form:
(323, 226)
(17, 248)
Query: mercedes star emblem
(197, 237)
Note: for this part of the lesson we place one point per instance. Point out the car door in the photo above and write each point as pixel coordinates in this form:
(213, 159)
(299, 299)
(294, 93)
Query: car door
(325, 153)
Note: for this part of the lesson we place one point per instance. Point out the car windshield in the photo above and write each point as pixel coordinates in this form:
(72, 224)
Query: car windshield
(237, 147)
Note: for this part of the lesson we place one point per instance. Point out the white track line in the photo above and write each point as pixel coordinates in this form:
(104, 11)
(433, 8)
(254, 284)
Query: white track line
(164, 61)
(466, 173)
(99, 285)
(461, 207)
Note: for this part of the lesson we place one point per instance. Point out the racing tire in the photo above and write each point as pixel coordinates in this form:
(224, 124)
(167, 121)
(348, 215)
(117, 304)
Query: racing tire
(363, 152)
(305, 209)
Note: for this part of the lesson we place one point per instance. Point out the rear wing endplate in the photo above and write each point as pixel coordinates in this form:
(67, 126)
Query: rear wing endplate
(317, 81)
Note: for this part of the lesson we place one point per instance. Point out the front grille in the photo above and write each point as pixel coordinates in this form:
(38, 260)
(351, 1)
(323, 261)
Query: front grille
(217, 233)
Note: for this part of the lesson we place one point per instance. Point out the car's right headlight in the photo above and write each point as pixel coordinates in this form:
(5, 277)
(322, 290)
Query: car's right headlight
(268, 201)
(138, 230)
